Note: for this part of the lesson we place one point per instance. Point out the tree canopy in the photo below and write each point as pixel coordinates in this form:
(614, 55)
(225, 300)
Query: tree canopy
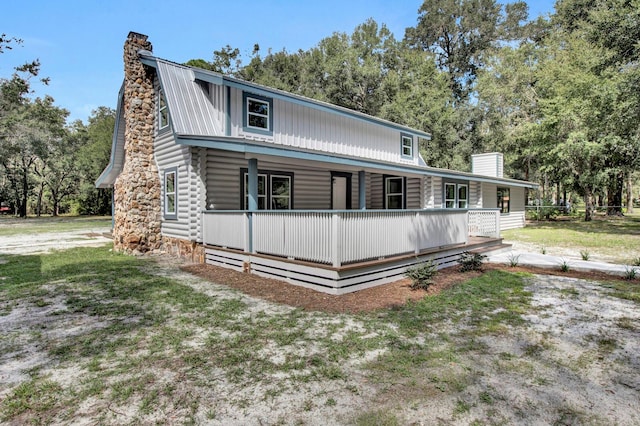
(559, 96)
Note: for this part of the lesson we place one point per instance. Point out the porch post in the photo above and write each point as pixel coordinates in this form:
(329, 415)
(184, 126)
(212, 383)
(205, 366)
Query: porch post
(253, 196)
(336, 243)
(362, 191)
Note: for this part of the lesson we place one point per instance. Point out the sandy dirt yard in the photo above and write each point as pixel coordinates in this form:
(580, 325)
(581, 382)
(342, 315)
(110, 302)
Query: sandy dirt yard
(571, 357)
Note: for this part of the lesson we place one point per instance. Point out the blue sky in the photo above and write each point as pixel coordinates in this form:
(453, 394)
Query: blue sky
(79, 43)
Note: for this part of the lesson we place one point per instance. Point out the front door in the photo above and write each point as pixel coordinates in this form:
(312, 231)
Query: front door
(340, 191)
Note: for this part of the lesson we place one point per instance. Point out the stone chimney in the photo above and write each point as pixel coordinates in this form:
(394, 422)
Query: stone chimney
(137, 212)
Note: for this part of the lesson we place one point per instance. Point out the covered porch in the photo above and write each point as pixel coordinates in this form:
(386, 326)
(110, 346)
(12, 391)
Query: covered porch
(338, 251)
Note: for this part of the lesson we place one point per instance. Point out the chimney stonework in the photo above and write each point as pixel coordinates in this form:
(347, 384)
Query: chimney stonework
(137, 214)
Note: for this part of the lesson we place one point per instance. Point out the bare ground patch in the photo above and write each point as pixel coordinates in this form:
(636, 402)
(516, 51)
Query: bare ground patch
(242, 352)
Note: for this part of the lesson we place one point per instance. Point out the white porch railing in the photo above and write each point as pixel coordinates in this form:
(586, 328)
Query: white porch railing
(336, 237)
(484, 223)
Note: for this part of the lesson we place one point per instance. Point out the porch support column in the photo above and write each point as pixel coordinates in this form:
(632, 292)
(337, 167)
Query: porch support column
(253, 196)
(362, 191)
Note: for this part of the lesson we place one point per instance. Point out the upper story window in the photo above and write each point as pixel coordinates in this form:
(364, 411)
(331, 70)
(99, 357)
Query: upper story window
(394, 192)
(258, 114)
(163, 112)
(504, 203)
(456, 195)
(170, 193)
(406, 142)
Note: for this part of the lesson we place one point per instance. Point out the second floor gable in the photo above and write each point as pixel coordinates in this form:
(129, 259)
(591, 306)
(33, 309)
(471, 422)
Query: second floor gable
(197, 103)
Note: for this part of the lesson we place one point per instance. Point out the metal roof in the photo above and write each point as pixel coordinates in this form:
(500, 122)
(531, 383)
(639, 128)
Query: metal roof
(116, 161)
(190, 109)
(185, 77)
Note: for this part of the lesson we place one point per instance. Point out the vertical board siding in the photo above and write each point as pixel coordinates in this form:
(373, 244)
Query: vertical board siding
(303, 127)
(305, 236)
(228, 230)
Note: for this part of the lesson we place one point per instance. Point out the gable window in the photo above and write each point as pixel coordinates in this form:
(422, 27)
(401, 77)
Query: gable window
(258, 114)
(406, 142)
(504, 203)
(163, 112)
(394, 192)
(456, 195)
(275, 190)
(170, 193)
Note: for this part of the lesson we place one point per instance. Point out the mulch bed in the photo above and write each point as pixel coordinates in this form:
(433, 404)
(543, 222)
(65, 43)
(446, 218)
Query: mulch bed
(384, 296)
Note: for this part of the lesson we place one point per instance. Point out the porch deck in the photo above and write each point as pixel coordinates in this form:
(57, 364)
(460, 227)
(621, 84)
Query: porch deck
(344, 251)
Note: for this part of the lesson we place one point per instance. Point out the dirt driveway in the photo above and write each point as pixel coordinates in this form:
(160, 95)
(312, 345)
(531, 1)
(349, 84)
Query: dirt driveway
(568, 353)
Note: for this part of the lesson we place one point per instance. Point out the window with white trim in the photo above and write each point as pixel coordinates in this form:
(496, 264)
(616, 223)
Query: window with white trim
(170, 193)
(163, 112)
(262, 191)
(258, 114)
(275, 190)
(463, 196)
(280, 192)
(449, 195)
(406, 142)
(504, 202)
(456, 195)
(394, 192)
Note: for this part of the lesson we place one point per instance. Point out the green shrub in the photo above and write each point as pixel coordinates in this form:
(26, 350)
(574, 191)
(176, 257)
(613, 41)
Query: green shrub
(585, 254)
(564, 266)
(514, 260)
(421, 275)
(636, 261)
(546, 211)
(471, 261)
(630, 274)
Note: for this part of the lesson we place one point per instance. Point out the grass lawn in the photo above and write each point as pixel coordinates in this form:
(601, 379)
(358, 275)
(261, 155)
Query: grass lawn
(92, 336)
(10, 225)
(119, 339)
(615, 239)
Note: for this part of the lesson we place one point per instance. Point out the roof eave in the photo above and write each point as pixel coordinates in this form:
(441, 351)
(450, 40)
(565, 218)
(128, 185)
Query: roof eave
(251, 147)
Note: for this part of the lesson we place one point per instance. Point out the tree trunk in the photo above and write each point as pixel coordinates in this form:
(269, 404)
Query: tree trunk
(558, 199)
(39, 200)
(588, 210)
(25, 193)
(614, 195)
(629, 193)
